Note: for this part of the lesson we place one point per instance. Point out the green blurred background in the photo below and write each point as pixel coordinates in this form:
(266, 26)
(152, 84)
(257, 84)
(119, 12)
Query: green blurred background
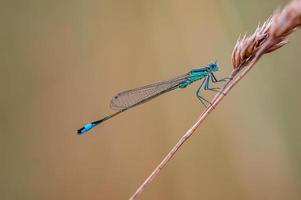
(62, 61)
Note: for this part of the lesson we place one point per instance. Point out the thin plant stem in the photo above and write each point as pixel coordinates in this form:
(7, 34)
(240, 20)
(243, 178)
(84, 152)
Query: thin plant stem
(215, 101)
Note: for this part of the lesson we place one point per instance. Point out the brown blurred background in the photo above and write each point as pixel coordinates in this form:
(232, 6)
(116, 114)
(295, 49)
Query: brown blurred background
(62, 61)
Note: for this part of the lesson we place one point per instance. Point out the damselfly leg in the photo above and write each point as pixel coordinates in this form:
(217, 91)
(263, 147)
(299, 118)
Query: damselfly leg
(214, 79)
(206, 85)
(197, 93)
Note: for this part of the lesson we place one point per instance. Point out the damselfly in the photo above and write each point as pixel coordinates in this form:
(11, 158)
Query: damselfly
(131, 98)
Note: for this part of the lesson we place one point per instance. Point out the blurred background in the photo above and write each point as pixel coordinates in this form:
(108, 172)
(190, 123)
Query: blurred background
(61, 62)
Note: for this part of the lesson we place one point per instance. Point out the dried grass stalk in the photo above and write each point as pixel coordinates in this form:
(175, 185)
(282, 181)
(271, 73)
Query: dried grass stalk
(247, 51)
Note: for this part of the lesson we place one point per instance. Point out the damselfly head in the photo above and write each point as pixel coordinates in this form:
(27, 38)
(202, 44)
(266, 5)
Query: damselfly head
(213, 67)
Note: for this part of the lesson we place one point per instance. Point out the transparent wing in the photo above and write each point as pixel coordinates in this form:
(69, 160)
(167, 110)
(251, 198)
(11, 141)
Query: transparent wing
(131, 98)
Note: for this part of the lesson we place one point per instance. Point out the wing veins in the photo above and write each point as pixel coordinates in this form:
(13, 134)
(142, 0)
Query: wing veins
(133, 97)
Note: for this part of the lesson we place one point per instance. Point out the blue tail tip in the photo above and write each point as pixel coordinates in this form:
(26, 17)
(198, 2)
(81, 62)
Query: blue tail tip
(81, 131)
(85, 128)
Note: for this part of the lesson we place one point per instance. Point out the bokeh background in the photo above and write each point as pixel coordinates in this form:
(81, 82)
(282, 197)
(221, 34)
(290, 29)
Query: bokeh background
(62, 61)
